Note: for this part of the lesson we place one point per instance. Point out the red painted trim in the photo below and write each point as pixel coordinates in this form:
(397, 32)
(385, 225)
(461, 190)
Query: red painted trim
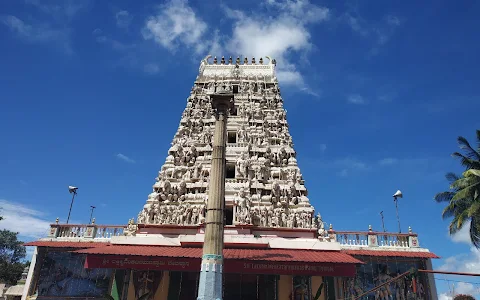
(169, 226)
(230, 245)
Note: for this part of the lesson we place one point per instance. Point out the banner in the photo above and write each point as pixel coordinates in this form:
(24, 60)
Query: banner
(230, 266)
(289, 268)
(142, 263)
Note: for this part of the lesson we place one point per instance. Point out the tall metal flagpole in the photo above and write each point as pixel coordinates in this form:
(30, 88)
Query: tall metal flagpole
(210, 285)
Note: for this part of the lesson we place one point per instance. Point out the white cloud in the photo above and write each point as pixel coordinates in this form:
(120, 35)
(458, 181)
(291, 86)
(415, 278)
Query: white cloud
(388, 161)
(125, 158)
(380, 32)
(54, 29)
(62, 10)
(176, 24)
(348, 165)
(464, 262)
(27, 222)
(38, 33)
(123, 19)
(356, 99)
(253, 34)
(458, 288)
(392, 20)
(444, 296)
(279, 37)
(151, 68)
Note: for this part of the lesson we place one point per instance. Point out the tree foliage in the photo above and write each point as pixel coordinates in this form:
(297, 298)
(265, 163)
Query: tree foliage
(463, 196)
(463, 297)
(12, 252)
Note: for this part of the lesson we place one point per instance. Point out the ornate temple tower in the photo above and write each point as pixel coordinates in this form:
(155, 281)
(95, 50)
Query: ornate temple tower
(263, 186)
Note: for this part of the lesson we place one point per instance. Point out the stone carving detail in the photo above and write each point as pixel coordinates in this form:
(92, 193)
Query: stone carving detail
(266, 188)
(131, 229)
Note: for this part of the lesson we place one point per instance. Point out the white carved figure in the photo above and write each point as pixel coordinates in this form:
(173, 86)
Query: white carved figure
(131, 229)
(242, 165)
(243, 207)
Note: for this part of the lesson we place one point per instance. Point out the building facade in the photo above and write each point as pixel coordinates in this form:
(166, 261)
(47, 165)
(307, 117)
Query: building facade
(276, 246)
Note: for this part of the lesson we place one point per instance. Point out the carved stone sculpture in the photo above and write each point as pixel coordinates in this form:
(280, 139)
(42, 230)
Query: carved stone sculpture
(267, 188)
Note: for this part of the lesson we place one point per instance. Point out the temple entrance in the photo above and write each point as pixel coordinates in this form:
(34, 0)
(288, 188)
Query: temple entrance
(184, 286)
(249, 287)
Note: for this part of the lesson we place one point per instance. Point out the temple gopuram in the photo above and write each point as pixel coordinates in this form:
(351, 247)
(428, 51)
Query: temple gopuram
(276, 246)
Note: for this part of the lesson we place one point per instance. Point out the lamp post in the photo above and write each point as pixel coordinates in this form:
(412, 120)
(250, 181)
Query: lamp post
(91, 213)
(210, 285)
(71, 190)
(397, 195)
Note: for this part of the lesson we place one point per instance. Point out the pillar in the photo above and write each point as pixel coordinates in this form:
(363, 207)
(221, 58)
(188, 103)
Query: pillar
(210, 284)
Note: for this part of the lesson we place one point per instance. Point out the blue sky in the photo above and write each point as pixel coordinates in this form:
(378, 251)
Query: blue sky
(92, 93)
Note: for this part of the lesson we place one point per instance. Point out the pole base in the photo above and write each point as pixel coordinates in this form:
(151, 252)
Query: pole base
(210, 285)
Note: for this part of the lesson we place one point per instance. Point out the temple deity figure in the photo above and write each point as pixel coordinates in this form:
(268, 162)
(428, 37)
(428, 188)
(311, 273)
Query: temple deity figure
(260, 88)
(181, 190)
(242, 165)
(210, 87)
(166, 192)
(241, 134)
(131, 228)
(143, 215)
(292, 194)
(242, 203)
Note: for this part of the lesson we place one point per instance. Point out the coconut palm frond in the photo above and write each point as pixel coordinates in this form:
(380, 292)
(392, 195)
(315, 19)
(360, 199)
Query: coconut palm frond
(463, 197)
(452, 177)
(465, 145)
(444, 196)
(468, 163)
(475, 231)
(473, 173)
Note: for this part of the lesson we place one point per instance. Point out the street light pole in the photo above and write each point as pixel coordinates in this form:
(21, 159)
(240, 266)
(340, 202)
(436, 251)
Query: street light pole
(71, 190)
(91, 213)
(398, 194)
(210, 286)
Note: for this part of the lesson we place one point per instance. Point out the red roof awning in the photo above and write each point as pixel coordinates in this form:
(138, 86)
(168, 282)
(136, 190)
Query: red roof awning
(256, 261)
(55, 244)
(293, 255)
(412, 254)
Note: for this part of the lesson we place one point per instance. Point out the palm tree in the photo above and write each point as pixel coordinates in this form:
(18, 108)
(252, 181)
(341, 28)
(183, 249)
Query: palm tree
(463, 197)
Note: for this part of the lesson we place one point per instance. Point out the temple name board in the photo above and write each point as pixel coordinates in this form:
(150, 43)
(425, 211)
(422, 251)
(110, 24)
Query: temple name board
(230, 266)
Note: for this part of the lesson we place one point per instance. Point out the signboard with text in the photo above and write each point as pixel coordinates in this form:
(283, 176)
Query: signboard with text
(287, 268)
(230, 266)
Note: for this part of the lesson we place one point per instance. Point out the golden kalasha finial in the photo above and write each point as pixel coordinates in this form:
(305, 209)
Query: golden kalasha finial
(370, 228)
(261, 60)
(253, 60)
(215, 60)
(331, 226)
(238, 60)
(223, 60)
(93, 221)
(230, 60)
(57, 220)
(245, 61)
(410, 229)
